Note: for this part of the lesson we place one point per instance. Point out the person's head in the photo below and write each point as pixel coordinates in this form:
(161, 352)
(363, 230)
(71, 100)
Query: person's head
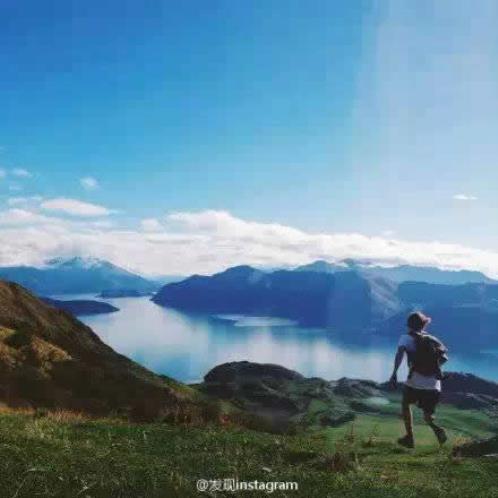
(417, 321)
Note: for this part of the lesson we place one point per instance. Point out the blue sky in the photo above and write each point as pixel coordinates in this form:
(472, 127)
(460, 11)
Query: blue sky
(324, 117)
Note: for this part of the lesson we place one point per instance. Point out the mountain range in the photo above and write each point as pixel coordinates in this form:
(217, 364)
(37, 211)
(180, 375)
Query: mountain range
(347, 296)
(401, 273)
(346, 300)
(76, 276)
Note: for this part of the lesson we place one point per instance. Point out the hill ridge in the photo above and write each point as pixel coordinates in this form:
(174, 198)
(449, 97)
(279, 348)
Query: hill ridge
(49, 358)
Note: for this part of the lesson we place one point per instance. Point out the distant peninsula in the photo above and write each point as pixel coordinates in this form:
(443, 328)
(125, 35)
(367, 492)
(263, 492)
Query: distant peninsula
(82, 307)
(116, 293)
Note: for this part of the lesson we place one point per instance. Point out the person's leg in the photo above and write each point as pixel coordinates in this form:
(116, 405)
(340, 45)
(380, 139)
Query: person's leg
(439, 432)
(406, 412)
(429, 407)
(429, 420)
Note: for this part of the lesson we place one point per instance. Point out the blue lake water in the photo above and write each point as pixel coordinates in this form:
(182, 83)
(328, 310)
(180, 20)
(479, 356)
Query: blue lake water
(186, 346)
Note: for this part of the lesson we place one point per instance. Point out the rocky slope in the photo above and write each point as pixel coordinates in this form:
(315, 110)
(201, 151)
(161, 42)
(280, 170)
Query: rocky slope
(285, 397)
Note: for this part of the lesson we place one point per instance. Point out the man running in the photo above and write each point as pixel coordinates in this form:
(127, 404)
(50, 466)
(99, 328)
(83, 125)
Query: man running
(425, 355)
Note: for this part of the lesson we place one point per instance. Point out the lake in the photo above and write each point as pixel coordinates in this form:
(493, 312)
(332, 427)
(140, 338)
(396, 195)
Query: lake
(186, 346)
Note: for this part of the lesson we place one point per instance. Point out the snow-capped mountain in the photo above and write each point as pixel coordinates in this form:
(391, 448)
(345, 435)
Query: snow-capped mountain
(76, 275)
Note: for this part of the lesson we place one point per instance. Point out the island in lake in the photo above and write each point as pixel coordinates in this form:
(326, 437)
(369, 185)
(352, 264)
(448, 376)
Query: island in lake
(82, 307)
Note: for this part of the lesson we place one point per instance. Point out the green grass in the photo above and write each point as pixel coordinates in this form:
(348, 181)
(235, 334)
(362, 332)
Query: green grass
(46, 456)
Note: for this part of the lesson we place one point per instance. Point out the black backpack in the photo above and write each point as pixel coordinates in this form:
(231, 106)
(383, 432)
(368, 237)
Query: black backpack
(430, 354)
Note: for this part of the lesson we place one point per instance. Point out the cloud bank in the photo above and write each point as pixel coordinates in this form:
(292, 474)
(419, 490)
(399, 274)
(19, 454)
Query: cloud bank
(208, 241)
(74, 207)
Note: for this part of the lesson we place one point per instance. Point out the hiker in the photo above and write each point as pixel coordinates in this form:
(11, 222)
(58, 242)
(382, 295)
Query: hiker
(425, 355)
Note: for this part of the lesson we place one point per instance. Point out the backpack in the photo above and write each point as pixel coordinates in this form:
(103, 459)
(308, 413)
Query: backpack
(430, 354)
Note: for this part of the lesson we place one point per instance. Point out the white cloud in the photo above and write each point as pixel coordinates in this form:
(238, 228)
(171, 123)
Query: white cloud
(100, 224)
(89, 183)
(74, 207)
(17, 216)
(464, 197)
(15, 187)
(16, 201)
(3, 173)
(208, 241)
(151, 225)
(21, 173)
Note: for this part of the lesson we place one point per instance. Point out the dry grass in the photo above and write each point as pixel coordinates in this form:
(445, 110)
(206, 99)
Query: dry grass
(67, 417)
(8, 410)
(57, 415)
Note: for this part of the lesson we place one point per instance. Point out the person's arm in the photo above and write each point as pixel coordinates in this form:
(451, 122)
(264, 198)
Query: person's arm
(397, 363)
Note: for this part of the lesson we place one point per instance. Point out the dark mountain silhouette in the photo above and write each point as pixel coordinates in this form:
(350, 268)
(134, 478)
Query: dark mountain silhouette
(424, 294)
(401, 273)
(75, 276)
(465, 391)
(50, 359)
(81, 307)
(455, 382)
(465, 316)
(407, 273)
(347, 300)
(468, 391)
(465, 328)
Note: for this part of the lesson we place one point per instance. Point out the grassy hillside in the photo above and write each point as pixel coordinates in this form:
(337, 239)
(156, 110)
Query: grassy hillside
(50, 359)
(64, 455)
